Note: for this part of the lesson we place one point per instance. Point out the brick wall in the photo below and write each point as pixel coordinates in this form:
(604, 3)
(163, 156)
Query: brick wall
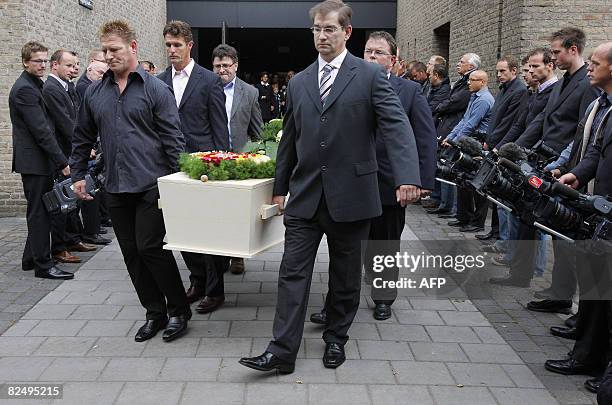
(483, 26)
(62, 24)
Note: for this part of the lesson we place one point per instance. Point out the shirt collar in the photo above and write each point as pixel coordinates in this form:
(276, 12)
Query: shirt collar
(188, 69)
(138, 72)
(482, 91)
(62, 82)
(547, 84)
(230, 85)
(604, 96)
(336, 62)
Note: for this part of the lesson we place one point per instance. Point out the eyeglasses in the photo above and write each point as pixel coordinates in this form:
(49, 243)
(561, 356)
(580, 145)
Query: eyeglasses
(327, 30)
(376, 52)
(40, 61)
(223, 66)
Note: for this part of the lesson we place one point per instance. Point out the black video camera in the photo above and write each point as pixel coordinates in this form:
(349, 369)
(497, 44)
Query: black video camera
(62, 197)
(458, 163)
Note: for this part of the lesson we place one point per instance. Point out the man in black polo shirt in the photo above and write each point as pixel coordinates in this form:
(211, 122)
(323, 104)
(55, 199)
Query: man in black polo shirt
(136, 117)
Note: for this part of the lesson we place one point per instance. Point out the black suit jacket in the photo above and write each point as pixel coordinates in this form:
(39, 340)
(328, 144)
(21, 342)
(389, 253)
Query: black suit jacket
(202, 110)
(265, 100)
(450, 111)
(416, 108)
(438, 94)
(597, 162)
(331, 150)
(35, 149)
(82, 85)
(557, 124)
(62, 113)
(508, 104)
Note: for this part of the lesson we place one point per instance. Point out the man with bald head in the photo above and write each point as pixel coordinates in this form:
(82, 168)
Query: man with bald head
(471, 207)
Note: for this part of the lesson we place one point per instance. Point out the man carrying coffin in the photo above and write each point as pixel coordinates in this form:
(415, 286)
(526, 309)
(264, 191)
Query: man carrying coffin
(327, 163)
(201, 102)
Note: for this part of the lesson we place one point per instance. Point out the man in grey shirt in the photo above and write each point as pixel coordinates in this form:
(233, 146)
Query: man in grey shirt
(136, 117)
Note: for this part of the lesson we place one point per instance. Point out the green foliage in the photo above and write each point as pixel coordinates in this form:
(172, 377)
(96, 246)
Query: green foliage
(253, 147)
(227, 169)
(270, 130)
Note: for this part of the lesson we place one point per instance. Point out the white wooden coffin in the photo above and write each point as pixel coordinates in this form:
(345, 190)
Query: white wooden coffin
(219, 217)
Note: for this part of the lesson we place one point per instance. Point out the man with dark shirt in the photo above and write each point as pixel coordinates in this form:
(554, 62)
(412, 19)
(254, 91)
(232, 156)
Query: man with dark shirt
(136, 117)
(265, 97)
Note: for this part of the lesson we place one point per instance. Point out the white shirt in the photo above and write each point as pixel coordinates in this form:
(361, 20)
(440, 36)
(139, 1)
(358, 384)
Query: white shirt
(179, 81)
(547, 84)
(336, 63)
(62, 82)
(228, 89)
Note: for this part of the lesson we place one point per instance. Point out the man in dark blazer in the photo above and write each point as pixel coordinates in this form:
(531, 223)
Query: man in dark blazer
(327, 163)
(242, 107)
(62, 104)
(265, 96)
(593, 351)
(555, 126)
(381, 48)
(201, 102)
(36, 156)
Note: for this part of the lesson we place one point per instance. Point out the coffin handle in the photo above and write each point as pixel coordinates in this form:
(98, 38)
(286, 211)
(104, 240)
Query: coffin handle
(267, 211)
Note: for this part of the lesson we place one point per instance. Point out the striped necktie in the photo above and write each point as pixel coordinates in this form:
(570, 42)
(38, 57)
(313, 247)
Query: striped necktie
(326, 82)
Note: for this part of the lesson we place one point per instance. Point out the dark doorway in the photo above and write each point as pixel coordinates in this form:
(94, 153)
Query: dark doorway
(441, 40)
(269, 49)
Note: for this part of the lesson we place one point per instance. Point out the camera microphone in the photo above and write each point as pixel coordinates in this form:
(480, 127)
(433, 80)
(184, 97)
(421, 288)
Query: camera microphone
(566, 191)
(512, 152)
(470, 146)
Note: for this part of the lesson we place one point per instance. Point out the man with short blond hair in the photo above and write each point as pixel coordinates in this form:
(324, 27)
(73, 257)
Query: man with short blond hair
(129, 101)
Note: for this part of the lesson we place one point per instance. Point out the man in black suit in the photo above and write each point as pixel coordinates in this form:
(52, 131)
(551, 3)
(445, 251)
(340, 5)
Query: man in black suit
(555, 126)
(62, 104)
(327, 163)
(381, 48)
(201, 101)
(36, 156)
(265, 96)
(132, 102)
(593, 351)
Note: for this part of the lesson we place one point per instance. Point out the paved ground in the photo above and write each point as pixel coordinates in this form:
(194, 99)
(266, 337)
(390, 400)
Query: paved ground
(431, 351)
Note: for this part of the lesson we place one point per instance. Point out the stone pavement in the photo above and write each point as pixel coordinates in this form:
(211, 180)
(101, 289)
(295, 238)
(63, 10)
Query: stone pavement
(444, 351)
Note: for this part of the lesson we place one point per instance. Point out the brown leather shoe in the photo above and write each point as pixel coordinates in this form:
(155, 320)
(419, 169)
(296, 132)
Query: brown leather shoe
(66, 257)
(209, 304)
(195, 293)
(82, 247)
(237, 266)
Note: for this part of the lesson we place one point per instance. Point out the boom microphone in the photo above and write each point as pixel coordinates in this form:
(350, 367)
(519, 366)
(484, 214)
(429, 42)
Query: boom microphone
(566, 191)
(470, 146)
(512, 152)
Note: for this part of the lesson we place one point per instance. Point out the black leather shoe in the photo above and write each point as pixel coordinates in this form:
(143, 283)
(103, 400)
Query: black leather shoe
(487, 236)
(177, 326)
(554, 306)
(565, 333)
(568, 367)
(210, 304)
(382, 312)
(571, 321)
(439, 211)
(195, 293)
(593, 384)
(268, 362)
(237, 265)
(471, 228)
(544, 294)
(334, 355)
(457, 223)
(102, 231)
(319, 318)
(510, 282)
(150, 329)
(95, 239)
(53, 273)
(447, 216)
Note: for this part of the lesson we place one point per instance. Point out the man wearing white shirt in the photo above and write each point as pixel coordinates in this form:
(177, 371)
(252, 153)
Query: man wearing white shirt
(245, 121)
(201, 102)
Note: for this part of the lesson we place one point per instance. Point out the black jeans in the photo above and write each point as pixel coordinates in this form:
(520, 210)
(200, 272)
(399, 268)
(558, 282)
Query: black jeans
(139, 227)
(37, 250)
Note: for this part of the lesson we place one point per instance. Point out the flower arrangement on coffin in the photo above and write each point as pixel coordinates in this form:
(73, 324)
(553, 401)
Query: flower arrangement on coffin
(226, 165)
(270, 137)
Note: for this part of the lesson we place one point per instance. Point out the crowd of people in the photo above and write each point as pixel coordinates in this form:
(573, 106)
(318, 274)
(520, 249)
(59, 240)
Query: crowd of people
(360, 142)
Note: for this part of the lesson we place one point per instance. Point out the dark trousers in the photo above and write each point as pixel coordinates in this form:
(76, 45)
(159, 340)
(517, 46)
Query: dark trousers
(207, 271)
(471, 207)
(494, 220)
(522, 265)
(302, 238)
(104, 216)
(65, 230)
(564, 283)
(387, 227)
(139, 227)
(594, 322)
(90, 210)
(37, 248)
